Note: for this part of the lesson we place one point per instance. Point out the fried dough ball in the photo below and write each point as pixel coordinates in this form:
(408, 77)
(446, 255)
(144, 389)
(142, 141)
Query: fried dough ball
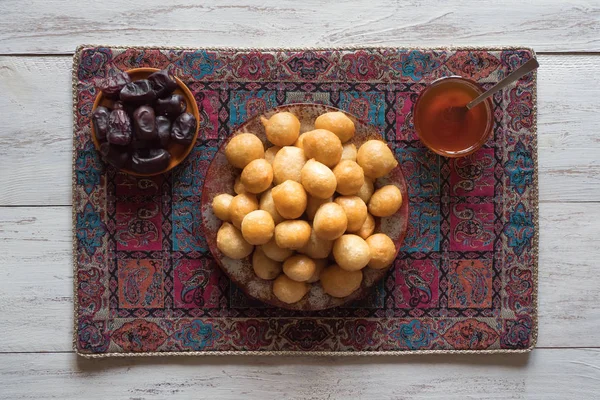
(299, 142)
(349, 152)
(383, 251)
(264, 267)
(338, 282)
(385, 201)
(290, 199)
(266, 203)
(238, 186)
(375, 158)
(244, 148)
(220, 206)
(330, 221)
(258, 227)
(351, 252)
(299, 268)
(366, 190)
(270, 153)
(231, 242)
(274, 252)
(349, 176)
(292, 234)
(316, 247)
(282, 129)
(289, 291)
(313, 204)
(320, 264)
(355, 209)
(318, 179)
(257, 176)
(367, 228)
(323, 146)
(287, 164)
(240, 206)
(338, 123)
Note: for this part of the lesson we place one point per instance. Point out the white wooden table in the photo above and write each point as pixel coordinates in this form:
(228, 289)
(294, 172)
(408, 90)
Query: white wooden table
(37, 38)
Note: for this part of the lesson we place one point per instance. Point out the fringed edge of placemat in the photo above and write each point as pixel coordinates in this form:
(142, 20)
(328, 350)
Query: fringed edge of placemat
(534, 332)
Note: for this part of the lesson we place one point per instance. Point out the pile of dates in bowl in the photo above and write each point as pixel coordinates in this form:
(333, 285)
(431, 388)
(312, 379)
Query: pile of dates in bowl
(141, 122)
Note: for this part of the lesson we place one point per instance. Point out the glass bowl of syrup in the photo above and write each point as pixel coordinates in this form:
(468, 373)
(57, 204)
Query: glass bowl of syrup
(444, 124)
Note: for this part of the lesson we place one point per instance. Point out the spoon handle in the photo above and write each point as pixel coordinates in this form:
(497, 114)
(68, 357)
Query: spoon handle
(513, 76)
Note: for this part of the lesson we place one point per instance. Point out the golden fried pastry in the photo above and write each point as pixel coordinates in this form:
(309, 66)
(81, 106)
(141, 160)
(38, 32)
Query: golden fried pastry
(299, 142)
(385, 201)
(231, 242)
(323, 146)
(270, 153)
(241, 205)
(220, 206)
(355, 209)
(264, 267)
(383, 251)
(266, 203)
(349, 176)
(330, 221)
(287, 164)
(316, 247)
(367, 228)
(338, 282)
(351, 252)
(274, 252)
(349, 152)
(299, 268)
(292, 234)
(282, 129)
(289, 291)
(313, 204)
(257, 176)
(320, 264)
(289, 199)
(338, 123)
(244, 148)
(318, 179)
(366, 190)
(258, 227)
(238, 186)
(375, 158)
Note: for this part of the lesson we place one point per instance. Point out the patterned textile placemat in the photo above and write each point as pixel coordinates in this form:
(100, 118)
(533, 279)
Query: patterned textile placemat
(464, 281)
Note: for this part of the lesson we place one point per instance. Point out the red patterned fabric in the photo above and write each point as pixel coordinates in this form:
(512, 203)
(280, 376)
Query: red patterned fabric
(465, 278)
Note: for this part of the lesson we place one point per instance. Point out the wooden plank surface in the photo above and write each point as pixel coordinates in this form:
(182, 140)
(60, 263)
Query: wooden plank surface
(35, 142)
(59, 26)
(545, 374)
(36, 278)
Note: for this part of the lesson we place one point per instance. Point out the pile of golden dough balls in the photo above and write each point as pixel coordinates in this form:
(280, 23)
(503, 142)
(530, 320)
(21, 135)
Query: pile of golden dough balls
(323, 203)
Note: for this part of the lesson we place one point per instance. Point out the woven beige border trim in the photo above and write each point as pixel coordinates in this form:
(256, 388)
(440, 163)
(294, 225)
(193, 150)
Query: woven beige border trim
(535, 193)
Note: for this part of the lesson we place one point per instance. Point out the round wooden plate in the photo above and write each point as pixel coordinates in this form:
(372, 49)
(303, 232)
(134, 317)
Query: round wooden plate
(220, 178)
(178, 152)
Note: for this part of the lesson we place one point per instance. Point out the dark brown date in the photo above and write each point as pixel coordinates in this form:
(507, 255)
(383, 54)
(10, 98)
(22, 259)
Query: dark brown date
(100, 119)
(184, 129)
(118, 105)
(119, 128)
(115, 155)
(112, 85)
(163, 129)
(138, 92)
(171, 107)
(156, 161)
(163, 83)
(143, 123)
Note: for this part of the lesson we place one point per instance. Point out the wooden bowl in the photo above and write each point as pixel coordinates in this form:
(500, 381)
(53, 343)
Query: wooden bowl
(220, 178)
(178, 152)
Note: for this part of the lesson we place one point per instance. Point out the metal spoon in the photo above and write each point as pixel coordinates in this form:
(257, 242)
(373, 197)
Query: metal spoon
(513, 76)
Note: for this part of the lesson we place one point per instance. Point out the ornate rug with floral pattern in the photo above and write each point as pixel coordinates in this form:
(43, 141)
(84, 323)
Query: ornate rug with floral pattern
(465, 279)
